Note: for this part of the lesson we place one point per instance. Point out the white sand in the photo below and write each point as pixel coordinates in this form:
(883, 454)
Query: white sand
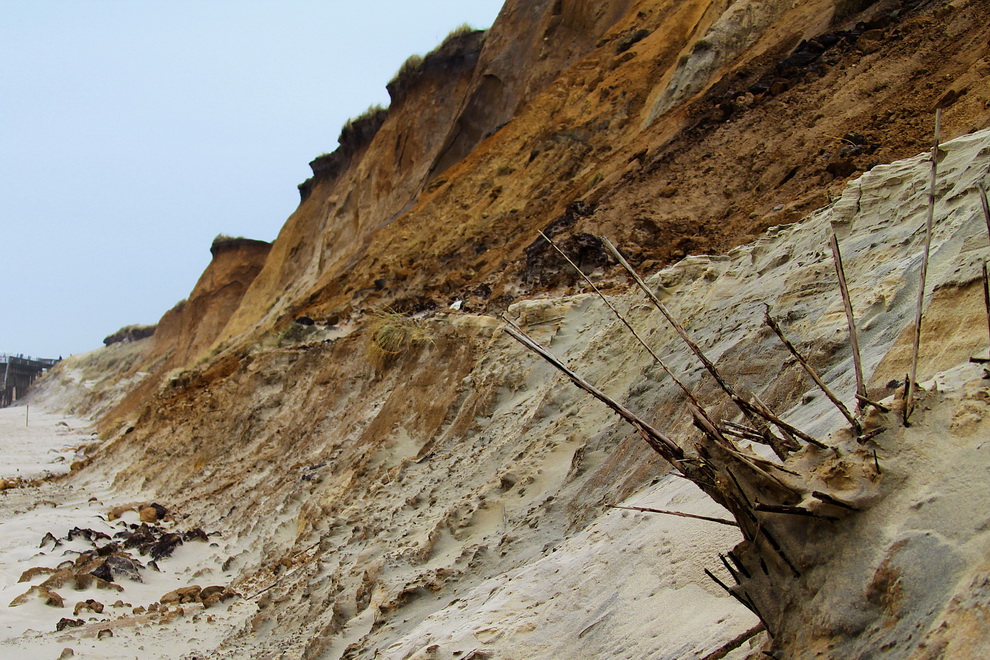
(47, 445)
(34, 443)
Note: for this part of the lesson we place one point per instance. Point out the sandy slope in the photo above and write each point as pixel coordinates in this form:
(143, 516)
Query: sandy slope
(454, 501)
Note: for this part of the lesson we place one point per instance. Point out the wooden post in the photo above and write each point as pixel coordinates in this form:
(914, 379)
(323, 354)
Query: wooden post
(929, 224)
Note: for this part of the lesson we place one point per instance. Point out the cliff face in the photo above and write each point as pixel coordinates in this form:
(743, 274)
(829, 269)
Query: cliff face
(681, 127)
(418, 486)
(189, 330)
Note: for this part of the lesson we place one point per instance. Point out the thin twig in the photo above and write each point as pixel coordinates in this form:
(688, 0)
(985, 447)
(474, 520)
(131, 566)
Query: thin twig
(762, 531)
(825, 497)
(872, 434)
(738, 564)
(929, 224)
(764, 411)
(870, 402)
(728, 567)
(986, 294)
(811, 372)
(840, 273)
(722, 521)
(730, 592)
(728, 428)
(985, 205)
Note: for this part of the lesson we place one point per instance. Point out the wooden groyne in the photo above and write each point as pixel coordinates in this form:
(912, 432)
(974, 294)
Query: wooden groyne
(17, 373)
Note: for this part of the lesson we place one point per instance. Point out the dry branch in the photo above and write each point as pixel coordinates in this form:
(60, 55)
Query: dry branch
(735, 642)
(748, 409)
(697, 407)
(811, 372)
(840, 273)
(662, 444)
(929, 223)
(869, 402)
(644, 509)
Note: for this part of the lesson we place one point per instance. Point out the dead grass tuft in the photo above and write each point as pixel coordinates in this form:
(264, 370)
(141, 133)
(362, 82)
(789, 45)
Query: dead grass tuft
(391, 334)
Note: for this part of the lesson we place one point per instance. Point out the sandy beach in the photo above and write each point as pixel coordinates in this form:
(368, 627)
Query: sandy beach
(51, 524)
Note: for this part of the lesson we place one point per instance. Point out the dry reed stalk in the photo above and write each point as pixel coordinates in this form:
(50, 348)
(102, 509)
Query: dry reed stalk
(750, 411)
(985, 204)
(811, 372)
(929, 224)
(721, 521)
(840, 273)
(986, 295)
(697, 407)
(662, 444)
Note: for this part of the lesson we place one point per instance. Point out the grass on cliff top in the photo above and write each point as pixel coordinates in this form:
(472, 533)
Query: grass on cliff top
(415, 62)
(374, 111)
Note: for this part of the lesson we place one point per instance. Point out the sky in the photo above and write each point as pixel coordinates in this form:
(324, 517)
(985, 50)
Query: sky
(133, 132)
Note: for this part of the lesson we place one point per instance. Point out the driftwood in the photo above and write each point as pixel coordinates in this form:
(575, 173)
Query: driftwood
(840, 273)
(753, 489)
(811, 372)
(721, 521)
(929, 224)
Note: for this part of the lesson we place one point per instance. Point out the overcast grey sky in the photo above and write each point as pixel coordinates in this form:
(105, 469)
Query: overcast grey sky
(132, 133)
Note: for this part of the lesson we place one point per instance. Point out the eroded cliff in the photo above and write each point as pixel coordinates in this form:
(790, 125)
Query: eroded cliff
(389, 476)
